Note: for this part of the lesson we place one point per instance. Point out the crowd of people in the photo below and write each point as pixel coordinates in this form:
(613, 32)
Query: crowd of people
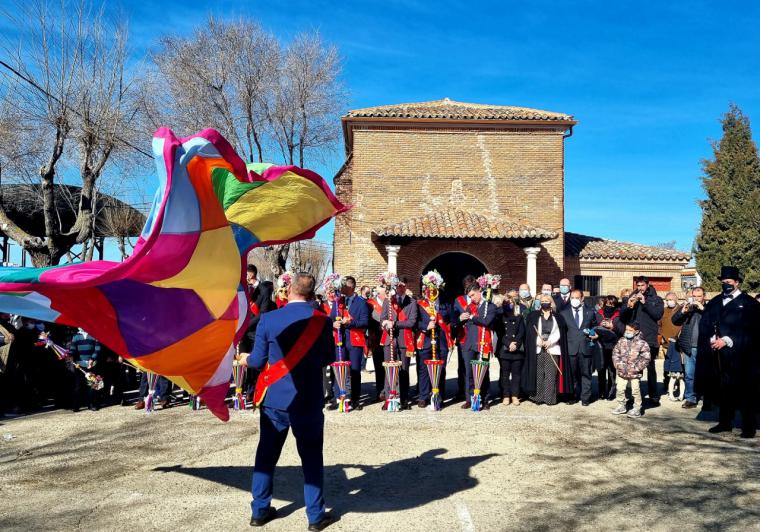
(547, 348)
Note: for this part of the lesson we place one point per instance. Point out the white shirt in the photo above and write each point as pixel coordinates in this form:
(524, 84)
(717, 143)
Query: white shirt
(726, 300)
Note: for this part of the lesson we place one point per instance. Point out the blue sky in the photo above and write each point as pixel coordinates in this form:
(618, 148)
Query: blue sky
(647, 81)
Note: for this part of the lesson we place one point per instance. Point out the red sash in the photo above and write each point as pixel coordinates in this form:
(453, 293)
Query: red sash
(255, 309)
(484, 334)
(273, 373)
(462, 333)
(280, 302)
(356, 337)
(408, 334)
(425, 304)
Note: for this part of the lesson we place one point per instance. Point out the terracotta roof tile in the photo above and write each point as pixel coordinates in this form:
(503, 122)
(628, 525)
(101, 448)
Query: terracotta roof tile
(590, 247)
(451, 110)
(454, 223)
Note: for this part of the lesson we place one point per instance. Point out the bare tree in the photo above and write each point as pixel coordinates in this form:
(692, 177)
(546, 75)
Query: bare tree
(72, 90)
(307, 99)
(310, 257)
(220, 77)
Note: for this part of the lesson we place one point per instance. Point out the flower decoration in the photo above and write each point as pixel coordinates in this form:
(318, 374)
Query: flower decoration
(333, 282)
(284, 280)
(94, 381)
(388, 279)
(489, 281)
(433, 279)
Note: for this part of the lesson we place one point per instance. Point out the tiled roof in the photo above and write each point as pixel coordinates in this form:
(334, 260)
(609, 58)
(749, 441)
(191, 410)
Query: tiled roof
(589, 247)
(454, 223)
(451, 110)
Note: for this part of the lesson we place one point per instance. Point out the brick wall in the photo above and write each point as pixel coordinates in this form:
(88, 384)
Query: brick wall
(399, 173)
(617, 275)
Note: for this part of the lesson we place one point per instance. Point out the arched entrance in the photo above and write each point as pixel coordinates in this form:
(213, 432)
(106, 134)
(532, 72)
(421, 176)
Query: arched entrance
(453, 267)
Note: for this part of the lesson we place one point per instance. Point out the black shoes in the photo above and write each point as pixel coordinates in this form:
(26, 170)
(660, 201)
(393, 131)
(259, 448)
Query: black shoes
(466, 405)
(585, 403)
(688, 404)
(323, 523)
(332, 406)
(749, 434)
(421, 404)
(717, 429)
(271, 514)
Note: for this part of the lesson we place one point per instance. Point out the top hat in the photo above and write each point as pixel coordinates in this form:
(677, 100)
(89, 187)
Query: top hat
(730, 272)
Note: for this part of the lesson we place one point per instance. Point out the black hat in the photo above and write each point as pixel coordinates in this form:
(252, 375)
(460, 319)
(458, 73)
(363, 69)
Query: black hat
(730, 272)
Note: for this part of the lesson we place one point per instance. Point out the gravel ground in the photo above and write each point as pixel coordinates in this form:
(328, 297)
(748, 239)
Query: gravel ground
(511, 468)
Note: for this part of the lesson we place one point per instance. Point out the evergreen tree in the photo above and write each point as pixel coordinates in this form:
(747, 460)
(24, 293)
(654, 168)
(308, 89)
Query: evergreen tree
(730, 230)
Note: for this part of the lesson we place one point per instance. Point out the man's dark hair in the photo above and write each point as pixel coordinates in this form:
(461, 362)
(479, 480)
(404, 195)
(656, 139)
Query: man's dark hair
(642, 279)
(350, 281)
(467, 281)
(252, 269)
(473, 286)
(303, 284)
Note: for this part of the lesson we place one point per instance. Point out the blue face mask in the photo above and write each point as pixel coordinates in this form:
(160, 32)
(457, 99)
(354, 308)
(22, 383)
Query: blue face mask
(564, 290)
(630, 335)
(525, 294)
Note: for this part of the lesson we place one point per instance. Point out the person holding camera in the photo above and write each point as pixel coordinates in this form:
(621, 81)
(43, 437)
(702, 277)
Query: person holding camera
(646, 308)
(581, 320)
(688, 317)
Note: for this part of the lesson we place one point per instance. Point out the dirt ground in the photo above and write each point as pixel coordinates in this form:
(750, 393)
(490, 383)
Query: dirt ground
(511, 468)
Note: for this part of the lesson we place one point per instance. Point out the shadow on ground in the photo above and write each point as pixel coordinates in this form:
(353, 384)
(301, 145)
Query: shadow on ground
(359, 487)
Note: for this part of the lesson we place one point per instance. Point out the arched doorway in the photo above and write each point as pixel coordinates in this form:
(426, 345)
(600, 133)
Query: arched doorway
(453, 267)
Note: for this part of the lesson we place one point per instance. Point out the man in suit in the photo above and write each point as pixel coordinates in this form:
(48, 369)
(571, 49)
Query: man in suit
(579, 318)
(478, 321)
(426, 324)
(261, 302)
(300, 338)
(727, 353)
(399, 315)
(562, 300)
(374, 333)
(459, 333)
(646, 308)
(352, 324)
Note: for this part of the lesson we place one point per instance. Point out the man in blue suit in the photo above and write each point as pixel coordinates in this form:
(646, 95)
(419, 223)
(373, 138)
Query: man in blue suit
(478, 321)
(292, 346)
(353, 324)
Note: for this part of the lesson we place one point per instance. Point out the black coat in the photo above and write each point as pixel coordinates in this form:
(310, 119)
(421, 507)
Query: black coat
(529, 367)
(577, 342)
(740, 364)
(262, 297)
(510, 328)
(647, 315)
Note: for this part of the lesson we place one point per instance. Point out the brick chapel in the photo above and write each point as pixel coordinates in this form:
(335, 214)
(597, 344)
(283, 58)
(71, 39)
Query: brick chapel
(469, 188)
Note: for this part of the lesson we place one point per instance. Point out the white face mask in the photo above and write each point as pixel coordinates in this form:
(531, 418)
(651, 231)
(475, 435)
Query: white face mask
(671, 303)
(575, 302)
(525, 294)
(630, 335)
(546, 292)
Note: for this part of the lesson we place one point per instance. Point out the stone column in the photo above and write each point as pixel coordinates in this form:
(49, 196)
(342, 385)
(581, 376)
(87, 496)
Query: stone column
(392, 257)
(532, 254)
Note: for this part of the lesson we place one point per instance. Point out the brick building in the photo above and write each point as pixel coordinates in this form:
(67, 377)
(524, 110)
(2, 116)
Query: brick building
(468, 188)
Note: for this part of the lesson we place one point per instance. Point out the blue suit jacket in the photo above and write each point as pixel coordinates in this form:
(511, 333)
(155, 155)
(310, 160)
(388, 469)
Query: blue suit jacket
(484, 318)
(423, 319)
(277, 332)
(359, 311)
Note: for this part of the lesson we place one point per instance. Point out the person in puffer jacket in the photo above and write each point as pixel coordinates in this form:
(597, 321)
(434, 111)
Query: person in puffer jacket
(630, 357)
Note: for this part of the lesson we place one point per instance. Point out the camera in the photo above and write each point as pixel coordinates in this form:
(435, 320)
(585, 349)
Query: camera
(690, 301)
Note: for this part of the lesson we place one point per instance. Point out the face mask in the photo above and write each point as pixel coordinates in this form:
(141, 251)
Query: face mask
(672, 304)
(727, 288)
(525, 294)
(546, 292)
(564, 290)
(546, 306)
(630, 335)
(575, 303)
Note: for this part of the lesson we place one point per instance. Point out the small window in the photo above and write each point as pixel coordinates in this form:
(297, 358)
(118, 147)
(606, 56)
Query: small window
(589, 284)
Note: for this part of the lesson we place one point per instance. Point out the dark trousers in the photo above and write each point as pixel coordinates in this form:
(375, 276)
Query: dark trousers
(355, 355)
(424, 385)
(461, 370)
(163, 387)
(377, 361)
(738, 392)
(308, 430)
(469, 356)
(580, 369)
(606, 376)
(653, 389)
(82, 389)
(509, 375)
